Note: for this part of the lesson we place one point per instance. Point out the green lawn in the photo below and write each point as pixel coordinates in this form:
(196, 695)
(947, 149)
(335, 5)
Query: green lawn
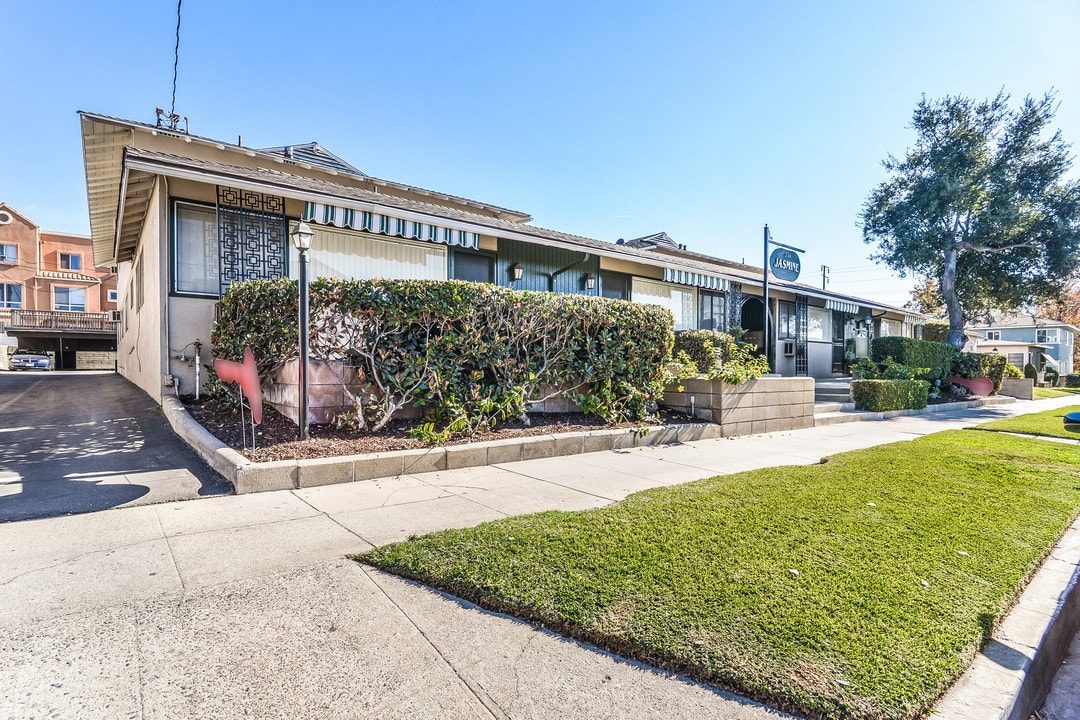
(1047, 393)
(857, 588)
(1048, 422)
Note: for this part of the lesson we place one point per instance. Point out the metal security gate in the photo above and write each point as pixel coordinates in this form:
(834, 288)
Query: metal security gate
(251, 236)
(802, 316)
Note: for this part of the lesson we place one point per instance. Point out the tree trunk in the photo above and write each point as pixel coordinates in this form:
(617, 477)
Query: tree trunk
(952, 301)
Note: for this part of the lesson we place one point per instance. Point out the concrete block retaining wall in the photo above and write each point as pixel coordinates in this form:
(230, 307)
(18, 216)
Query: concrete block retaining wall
(1019, 388)
(247, 476)
(768, 404)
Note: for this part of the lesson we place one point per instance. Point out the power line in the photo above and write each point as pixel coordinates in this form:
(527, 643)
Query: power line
(176, 59)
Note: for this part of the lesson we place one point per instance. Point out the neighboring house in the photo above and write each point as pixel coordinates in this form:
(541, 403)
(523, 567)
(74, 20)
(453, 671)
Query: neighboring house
(184, 216)
(1040, 342)
(53, 296)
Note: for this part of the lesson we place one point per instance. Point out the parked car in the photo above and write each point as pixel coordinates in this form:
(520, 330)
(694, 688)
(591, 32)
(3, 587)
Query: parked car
(30, 359)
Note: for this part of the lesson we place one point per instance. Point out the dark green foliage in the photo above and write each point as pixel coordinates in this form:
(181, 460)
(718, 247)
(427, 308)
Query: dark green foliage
(704, 347)
(977, 365)
(936, 357)
(1032, 372)
(1051, 376)
(936, 332)
(720, 356)
(881, 395)
(1072, 380)
(982, 203)
(468, 353)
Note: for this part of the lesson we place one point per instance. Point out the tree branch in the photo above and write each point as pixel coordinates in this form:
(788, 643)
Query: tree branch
(966, 245)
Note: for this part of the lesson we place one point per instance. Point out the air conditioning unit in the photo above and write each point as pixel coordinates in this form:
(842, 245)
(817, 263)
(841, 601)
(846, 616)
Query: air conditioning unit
(789, 348)
(114, 316)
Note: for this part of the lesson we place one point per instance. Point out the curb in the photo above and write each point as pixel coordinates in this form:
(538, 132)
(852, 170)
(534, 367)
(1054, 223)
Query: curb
(860, 415)
(1011, 675)
(247, 476)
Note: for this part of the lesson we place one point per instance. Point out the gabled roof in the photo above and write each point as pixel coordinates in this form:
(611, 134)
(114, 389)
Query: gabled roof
(314, 154)
(1012, 321)
(143, 164)
(660, 239)
(4, 207)
(105, 138)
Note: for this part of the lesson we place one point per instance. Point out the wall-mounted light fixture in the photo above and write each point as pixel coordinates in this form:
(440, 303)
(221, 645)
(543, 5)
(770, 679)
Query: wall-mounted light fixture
(590, 281)
(516, 271)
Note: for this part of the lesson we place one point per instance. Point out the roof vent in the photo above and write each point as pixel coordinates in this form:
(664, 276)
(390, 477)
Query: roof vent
(620, 241)
(289, 152)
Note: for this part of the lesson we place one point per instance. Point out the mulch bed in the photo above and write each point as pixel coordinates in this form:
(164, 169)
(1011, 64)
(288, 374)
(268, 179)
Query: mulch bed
(276, 436)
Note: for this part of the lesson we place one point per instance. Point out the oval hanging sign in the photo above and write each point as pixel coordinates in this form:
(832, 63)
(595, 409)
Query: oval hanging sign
(785, 264)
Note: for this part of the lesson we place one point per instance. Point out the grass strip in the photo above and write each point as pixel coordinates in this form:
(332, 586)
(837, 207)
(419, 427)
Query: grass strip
(859, 588)
(1047, 393)
(1050, 423)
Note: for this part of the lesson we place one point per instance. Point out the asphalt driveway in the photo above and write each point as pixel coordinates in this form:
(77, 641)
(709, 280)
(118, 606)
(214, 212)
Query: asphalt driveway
(75, 442)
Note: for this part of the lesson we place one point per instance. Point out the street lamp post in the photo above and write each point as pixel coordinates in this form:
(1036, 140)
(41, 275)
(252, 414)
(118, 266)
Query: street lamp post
(301, 236)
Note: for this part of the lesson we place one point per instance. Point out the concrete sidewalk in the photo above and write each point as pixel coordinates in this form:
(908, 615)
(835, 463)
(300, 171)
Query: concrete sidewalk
(242, 606)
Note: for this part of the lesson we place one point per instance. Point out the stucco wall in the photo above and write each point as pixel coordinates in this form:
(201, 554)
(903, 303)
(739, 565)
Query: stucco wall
(190, 319)
(139, 350)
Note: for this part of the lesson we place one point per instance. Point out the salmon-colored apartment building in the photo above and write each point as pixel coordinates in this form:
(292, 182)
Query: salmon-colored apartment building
(53, 297)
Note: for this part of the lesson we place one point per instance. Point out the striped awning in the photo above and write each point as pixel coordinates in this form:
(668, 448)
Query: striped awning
(381, 224)
(913, 320)
(841, 306)
(701, 280)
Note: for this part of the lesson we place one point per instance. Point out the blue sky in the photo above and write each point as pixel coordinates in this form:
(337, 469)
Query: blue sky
(606, 119)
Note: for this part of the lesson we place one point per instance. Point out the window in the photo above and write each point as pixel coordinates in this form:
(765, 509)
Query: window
(195, 250)
(993, 334)
(70, 262)
(679, 300)
(786, 322)
(140, 293)
(819, 324)
(112, 296)
(883, 328)
(473, 266)
(1046, 337)
(10, 296)
(9, 254)
(71, 299)
(711, 311)
(614, 286)
(1016, 359)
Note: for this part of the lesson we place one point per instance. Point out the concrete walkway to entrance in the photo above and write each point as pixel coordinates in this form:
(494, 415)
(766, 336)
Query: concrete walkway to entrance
(80, 441)
(243, 606)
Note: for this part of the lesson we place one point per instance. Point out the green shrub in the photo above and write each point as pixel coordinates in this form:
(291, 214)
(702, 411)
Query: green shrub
(992, 365)
(1012, 371)
(704, 347)
(1030, 371)
(719, 356)
(469, 354)
(866, 369)
(882, 395)
(1051, 376)
(936, 332)
(1072, 380)
(935, 357)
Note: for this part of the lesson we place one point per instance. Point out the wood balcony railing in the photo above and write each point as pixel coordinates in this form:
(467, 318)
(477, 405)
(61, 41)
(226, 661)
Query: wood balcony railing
(61, 320)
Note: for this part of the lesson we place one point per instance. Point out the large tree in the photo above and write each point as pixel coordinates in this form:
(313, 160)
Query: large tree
(981, 204)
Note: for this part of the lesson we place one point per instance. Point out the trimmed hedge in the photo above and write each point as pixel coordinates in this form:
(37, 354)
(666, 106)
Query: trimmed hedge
(936, 332)
(1072, 380)
(882, 395)
(468, 353)
(936, 356)
(977, 365)
(704, 347)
